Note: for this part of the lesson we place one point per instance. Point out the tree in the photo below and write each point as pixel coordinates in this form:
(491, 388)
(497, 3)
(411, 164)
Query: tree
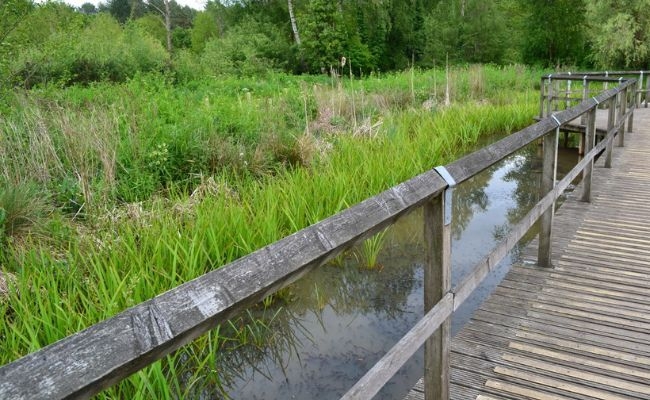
(205, 28)
(294, 25)
(619, 33)
(324, 35)
(88, 9)
(555, 32)
(163, 8)
(12, 12)
(120, 10)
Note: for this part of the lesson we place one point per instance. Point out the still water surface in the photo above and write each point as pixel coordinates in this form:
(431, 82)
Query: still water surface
(346, 317)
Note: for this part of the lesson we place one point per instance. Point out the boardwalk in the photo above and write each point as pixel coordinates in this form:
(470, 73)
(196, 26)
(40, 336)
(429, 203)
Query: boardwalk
(582, 329)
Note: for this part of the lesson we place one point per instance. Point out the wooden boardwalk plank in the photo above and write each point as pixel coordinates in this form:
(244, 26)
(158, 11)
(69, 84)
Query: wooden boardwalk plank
(582, 329)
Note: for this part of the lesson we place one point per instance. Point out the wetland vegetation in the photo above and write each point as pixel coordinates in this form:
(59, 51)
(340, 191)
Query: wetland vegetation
(137, 154)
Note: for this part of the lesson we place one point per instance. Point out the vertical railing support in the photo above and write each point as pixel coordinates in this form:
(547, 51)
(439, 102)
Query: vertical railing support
(585, 96)
(437, 283)
(611, 121)
(549, 96)
(542, 97)
(647, 91)
(590, 139)
(549, 171)
(620, 119)
(633, 106)
(639, 91)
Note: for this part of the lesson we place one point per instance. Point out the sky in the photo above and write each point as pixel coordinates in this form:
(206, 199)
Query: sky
(196, 4)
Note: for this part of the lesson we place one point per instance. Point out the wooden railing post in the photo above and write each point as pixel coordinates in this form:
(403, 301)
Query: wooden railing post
(547, 184)
(549, 96)
(585, 96)
(633, 106)
(622, 103)
(647, 90)
(567, 94)
(590, 138)
(638, 98)
(437, 283)
(611, 120)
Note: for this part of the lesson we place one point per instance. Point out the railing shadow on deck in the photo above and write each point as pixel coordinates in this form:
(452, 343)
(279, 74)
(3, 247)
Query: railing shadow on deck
(100, 356)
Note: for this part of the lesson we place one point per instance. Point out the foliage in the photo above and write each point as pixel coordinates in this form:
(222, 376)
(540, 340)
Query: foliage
(205, 28)
(619, 33)
(247, 49)
(555, 32)
(107, 52)
(324, 35)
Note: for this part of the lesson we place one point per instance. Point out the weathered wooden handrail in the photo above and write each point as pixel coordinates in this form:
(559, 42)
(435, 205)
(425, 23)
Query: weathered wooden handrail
(87, 362)
(551, 93)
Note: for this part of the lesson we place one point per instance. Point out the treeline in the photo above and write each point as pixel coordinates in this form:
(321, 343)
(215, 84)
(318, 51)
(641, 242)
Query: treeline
(53, 42)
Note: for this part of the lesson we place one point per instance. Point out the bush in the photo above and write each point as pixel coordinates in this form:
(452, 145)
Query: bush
(101, 51)
(248, 49)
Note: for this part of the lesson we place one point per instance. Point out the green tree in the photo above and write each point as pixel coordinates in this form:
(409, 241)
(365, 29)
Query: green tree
(12, 12)
(555, 32)
(120, 10)
(88, 9)
(619, 33)
(324, 35)
(153, 25)
(205, 27)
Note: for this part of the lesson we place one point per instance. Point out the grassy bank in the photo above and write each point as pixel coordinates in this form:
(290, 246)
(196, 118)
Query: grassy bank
(136, 188)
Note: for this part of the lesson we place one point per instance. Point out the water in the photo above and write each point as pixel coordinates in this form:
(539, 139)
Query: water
(346, 317)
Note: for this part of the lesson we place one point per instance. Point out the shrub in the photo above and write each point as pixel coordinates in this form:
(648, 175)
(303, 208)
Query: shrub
(247, 49)
(101, 51)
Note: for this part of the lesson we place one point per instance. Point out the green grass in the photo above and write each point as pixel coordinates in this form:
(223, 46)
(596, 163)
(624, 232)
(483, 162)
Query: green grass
(151, 185)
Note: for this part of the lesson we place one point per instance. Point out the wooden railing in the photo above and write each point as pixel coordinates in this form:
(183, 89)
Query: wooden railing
(91, 360)
(561, 90)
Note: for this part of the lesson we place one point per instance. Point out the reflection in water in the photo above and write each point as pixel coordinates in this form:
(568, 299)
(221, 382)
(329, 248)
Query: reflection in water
(346, 317)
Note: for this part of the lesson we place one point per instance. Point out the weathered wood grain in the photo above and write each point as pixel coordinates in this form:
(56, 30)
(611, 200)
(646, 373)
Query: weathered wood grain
(437, 283)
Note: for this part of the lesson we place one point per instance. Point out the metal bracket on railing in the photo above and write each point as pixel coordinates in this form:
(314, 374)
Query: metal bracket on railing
(596, 100)
(557, 121)
(451, 183)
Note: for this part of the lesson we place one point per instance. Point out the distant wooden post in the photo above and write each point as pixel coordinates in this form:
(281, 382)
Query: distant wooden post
(547, 184)
(542, 93)
(549, 97)
(621, 98)
(585, 96)
(638, 98)
(437, 283)
(633, 106)
(590, 138)
(611, 120)
(647, 89)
